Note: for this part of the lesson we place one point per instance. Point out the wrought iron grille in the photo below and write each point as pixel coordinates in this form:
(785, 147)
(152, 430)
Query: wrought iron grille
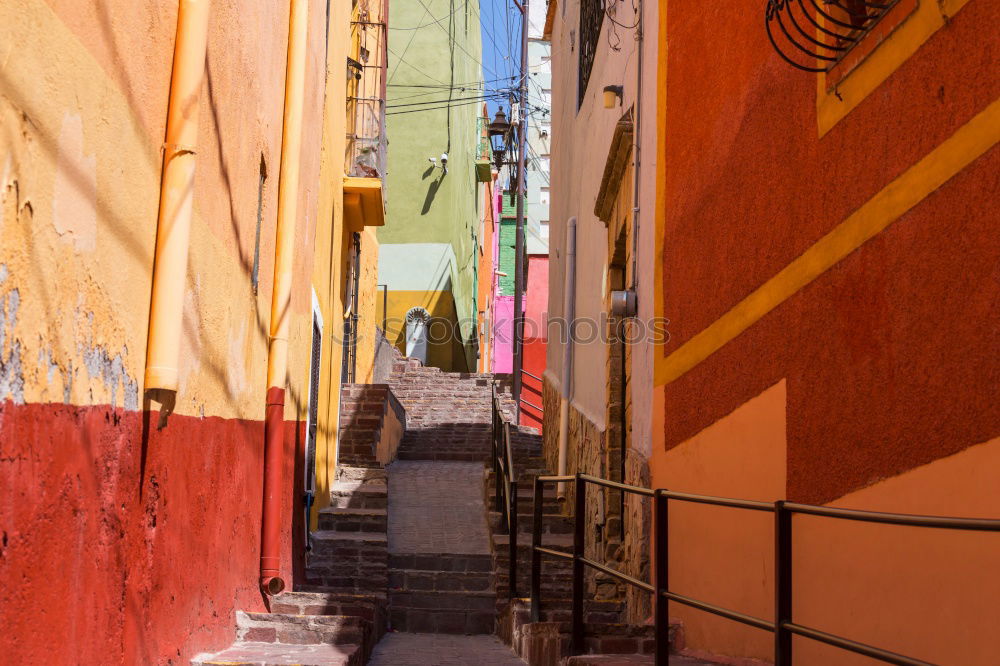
(591, 20)
(815, 35)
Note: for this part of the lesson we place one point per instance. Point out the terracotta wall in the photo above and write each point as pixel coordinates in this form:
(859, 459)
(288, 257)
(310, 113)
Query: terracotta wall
(827, 261)
(129, 536)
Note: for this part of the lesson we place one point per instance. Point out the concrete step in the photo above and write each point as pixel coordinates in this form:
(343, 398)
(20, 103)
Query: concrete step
(351, 474)
(276, 654)
(439, 581)
(443, 612)
(302, 629)
(352, 519)
(368, 607)
(362, 495)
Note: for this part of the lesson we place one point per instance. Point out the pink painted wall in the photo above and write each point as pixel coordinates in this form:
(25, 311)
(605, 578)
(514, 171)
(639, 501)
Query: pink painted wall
(503, 321)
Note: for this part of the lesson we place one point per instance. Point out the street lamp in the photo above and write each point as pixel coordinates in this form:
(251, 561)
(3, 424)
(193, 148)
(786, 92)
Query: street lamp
(498, 131)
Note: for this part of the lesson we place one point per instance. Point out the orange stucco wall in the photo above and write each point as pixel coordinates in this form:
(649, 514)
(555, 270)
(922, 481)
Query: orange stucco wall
(840, 244)
(927, 593)
(721, 555)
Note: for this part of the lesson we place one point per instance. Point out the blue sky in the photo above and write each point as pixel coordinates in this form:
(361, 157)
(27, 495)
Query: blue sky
(501, 30)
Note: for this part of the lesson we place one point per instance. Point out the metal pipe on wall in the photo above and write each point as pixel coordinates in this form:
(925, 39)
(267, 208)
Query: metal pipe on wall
(522, 137)
(569, 315)
(173, 224)
(281, 297)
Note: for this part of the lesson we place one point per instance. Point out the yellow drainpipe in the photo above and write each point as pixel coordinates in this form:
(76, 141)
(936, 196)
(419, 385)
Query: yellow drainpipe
(281, 298)
(173, 225)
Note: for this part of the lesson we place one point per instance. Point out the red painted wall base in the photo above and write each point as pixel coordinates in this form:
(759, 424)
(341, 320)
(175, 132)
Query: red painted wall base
(122, 543)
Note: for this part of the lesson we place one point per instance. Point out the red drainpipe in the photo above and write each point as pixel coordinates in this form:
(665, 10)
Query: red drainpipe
(270, 530)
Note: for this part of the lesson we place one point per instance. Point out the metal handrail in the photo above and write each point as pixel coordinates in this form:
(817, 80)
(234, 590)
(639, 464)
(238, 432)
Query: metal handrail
(782, 627)
(505, 485)
(525, 372)
(531, 404)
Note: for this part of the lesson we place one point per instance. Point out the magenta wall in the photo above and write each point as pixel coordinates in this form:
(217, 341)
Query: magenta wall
(503, 320)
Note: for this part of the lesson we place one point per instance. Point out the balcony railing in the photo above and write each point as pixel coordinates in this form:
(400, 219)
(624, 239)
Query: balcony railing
(817, 35)
(367, 143)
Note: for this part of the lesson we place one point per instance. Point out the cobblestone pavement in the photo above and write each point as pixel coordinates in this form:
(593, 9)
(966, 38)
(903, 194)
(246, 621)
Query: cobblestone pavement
(442, 650)
(437, 507)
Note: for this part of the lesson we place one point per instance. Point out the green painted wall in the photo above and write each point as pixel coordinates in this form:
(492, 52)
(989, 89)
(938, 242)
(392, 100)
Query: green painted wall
(508, 237)
(433, 45)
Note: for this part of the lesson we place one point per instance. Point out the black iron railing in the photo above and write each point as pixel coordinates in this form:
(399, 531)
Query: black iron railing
(505, 482)
(782, 625)
(815, 36)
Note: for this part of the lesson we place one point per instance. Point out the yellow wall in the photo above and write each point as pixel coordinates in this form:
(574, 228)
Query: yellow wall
(369, 307)
(83, 100)
(448, 354)
(330, 248)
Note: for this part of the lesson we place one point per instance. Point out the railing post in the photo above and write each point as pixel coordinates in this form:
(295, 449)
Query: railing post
(512, 502)
(579, 525)
(536, 557)
(782, 584)
(493, 445)
(661, 583)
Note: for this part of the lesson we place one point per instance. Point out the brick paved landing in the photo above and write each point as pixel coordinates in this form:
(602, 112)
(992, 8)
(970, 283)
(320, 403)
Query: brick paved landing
(442, 650)
(437, 507)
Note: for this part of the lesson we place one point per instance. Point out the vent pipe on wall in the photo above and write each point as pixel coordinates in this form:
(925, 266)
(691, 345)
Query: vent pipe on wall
(173, 224)
(281, 298)
(569, 315)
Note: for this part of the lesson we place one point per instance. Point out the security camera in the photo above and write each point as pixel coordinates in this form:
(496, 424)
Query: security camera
(444, 158)
(432, 160)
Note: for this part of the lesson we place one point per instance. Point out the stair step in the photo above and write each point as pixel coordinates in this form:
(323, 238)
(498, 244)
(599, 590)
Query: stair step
(367, 607)
(353, 519)
(440, 581)
(276, 654)
(350, 474)
(301, 629)
(362, 495)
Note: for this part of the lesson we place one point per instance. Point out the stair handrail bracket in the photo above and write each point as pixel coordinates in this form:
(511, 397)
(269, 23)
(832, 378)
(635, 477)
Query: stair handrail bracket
(505, 484)
(783, 627)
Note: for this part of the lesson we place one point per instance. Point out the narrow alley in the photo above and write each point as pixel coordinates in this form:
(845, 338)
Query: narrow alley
(499, 332)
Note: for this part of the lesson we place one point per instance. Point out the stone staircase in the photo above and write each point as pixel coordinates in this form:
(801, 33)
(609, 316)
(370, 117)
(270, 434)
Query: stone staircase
(339, 614)
(356, 589)
(448, 421)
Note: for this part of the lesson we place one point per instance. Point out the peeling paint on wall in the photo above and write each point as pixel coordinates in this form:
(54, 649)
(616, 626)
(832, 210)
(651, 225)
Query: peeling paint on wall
(11, 368)
(111, 370)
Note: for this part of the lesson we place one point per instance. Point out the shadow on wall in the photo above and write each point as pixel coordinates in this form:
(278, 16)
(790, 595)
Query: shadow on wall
(432, 189)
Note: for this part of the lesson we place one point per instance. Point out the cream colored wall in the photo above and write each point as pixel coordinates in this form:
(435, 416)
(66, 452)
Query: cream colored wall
(583, 136)
(82, 111)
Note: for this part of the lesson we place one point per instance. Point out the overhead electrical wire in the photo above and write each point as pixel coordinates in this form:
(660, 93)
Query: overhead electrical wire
(436, 108)
(459, 46)
(425, 25)
(438, 101)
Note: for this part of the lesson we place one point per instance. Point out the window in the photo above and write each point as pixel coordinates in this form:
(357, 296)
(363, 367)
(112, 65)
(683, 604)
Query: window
(543, 197)
(255, 271)
(312, 416)
(591, 20)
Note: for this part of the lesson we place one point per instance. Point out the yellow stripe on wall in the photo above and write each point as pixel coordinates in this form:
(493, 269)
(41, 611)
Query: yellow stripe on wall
(967, 144)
